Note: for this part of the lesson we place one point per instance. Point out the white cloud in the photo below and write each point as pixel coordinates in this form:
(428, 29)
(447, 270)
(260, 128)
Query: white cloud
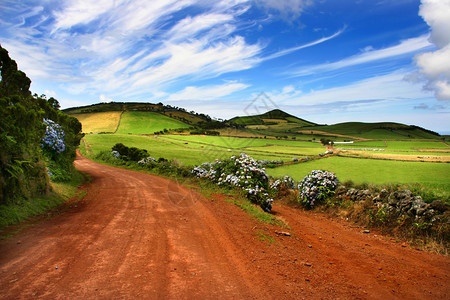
(293, 49)
(50, 93)
(190, 27)
(289, 9)
(369, 55)
(81, 12)
(435, 66)
(199, 60)
(386, 87)
(103, 98)
(130, 46)
(212, 92)
(437, 15)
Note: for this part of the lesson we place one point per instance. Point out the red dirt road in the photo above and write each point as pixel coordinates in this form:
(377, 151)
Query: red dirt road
(137, 236)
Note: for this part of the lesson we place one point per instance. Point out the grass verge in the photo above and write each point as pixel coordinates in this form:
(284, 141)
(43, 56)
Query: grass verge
(25, 211)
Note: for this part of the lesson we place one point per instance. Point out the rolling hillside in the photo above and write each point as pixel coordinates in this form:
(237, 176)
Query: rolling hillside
(148, 118)
(272, 117)
(134, 118)
(382, 130)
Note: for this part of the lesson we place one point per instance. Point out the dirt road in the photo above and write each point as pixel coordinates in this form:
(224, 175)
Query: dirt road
(137, 236)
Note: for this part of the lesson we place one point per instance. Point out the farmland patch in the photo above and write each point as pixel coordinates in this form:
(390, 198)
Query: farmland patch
(137, 122)
(99, 122)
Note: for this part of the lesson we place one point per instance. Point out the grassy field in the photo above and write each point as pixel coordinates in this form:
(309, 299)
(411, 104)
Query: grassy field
(237, 142)
(99, 122)
(164, 146)
(194, 149)
(373, 171)
(147, 123)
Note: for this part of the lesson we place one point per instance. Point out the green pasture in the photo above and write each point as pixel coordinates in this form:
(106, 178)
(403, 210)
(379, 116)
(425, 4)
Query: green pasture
(415, 145)
(237, 142)
(187, 154)
(292, 150)
(194, 150)
(138, 122)
(373, 171)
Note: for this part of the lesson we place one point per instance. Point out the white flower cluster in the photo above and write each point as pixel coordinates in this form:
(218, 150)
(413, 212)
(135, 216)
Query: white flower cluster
(242, 171)
(317, 186)
(115, 154)
(147, 160)
(286, 182)
(205, 170)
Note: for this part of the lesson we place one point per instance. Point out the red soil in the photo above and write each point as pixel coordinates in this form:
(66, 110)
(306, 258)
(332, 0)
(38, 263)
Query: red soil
(137, 236)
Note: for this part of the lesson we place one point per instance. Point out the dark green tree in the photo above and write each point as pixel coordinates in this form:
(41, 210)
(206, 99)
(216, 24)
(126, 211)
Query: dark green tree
(23, 163)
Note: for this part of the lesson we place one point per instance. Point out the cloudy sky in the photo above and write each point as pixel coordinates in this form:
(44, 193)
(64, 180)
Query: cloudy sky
(326, 61)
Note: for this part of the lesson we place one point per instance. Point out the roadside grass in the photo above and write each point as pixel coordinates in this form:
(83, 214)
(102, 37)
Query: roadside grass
(99, 122)
(138, 122)
(25, 210)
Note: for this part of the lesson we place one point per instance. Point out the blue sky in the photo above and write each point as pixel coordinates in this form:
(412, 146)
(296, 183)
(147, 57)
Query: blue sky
(326, 61)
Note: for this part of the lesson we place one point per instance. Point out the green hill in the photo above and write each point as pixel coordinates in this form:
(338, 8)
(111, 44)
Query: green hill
(381, 130)
(173, 112)
(139, 122)
(147, 118)
(272, 117)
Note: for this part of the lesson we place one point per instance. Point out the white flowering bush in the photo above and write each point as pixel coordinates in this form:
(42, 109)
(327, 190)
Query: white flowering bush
(317, 186)
(115, 154)
(286, 183)
(53, 140)
(147, 160)
(241, 171)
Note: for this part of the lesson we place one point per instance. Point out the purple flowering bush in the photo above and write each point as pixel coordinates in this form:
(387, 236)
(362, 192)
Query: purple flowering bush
(53, 140)
(316, 187)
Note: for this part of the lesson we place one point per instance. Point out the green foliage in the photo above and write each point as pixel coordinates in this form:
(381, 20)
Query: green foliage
(13, 81)
(22, 209)
(23, 163)
(130, 153)
(325, 141)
